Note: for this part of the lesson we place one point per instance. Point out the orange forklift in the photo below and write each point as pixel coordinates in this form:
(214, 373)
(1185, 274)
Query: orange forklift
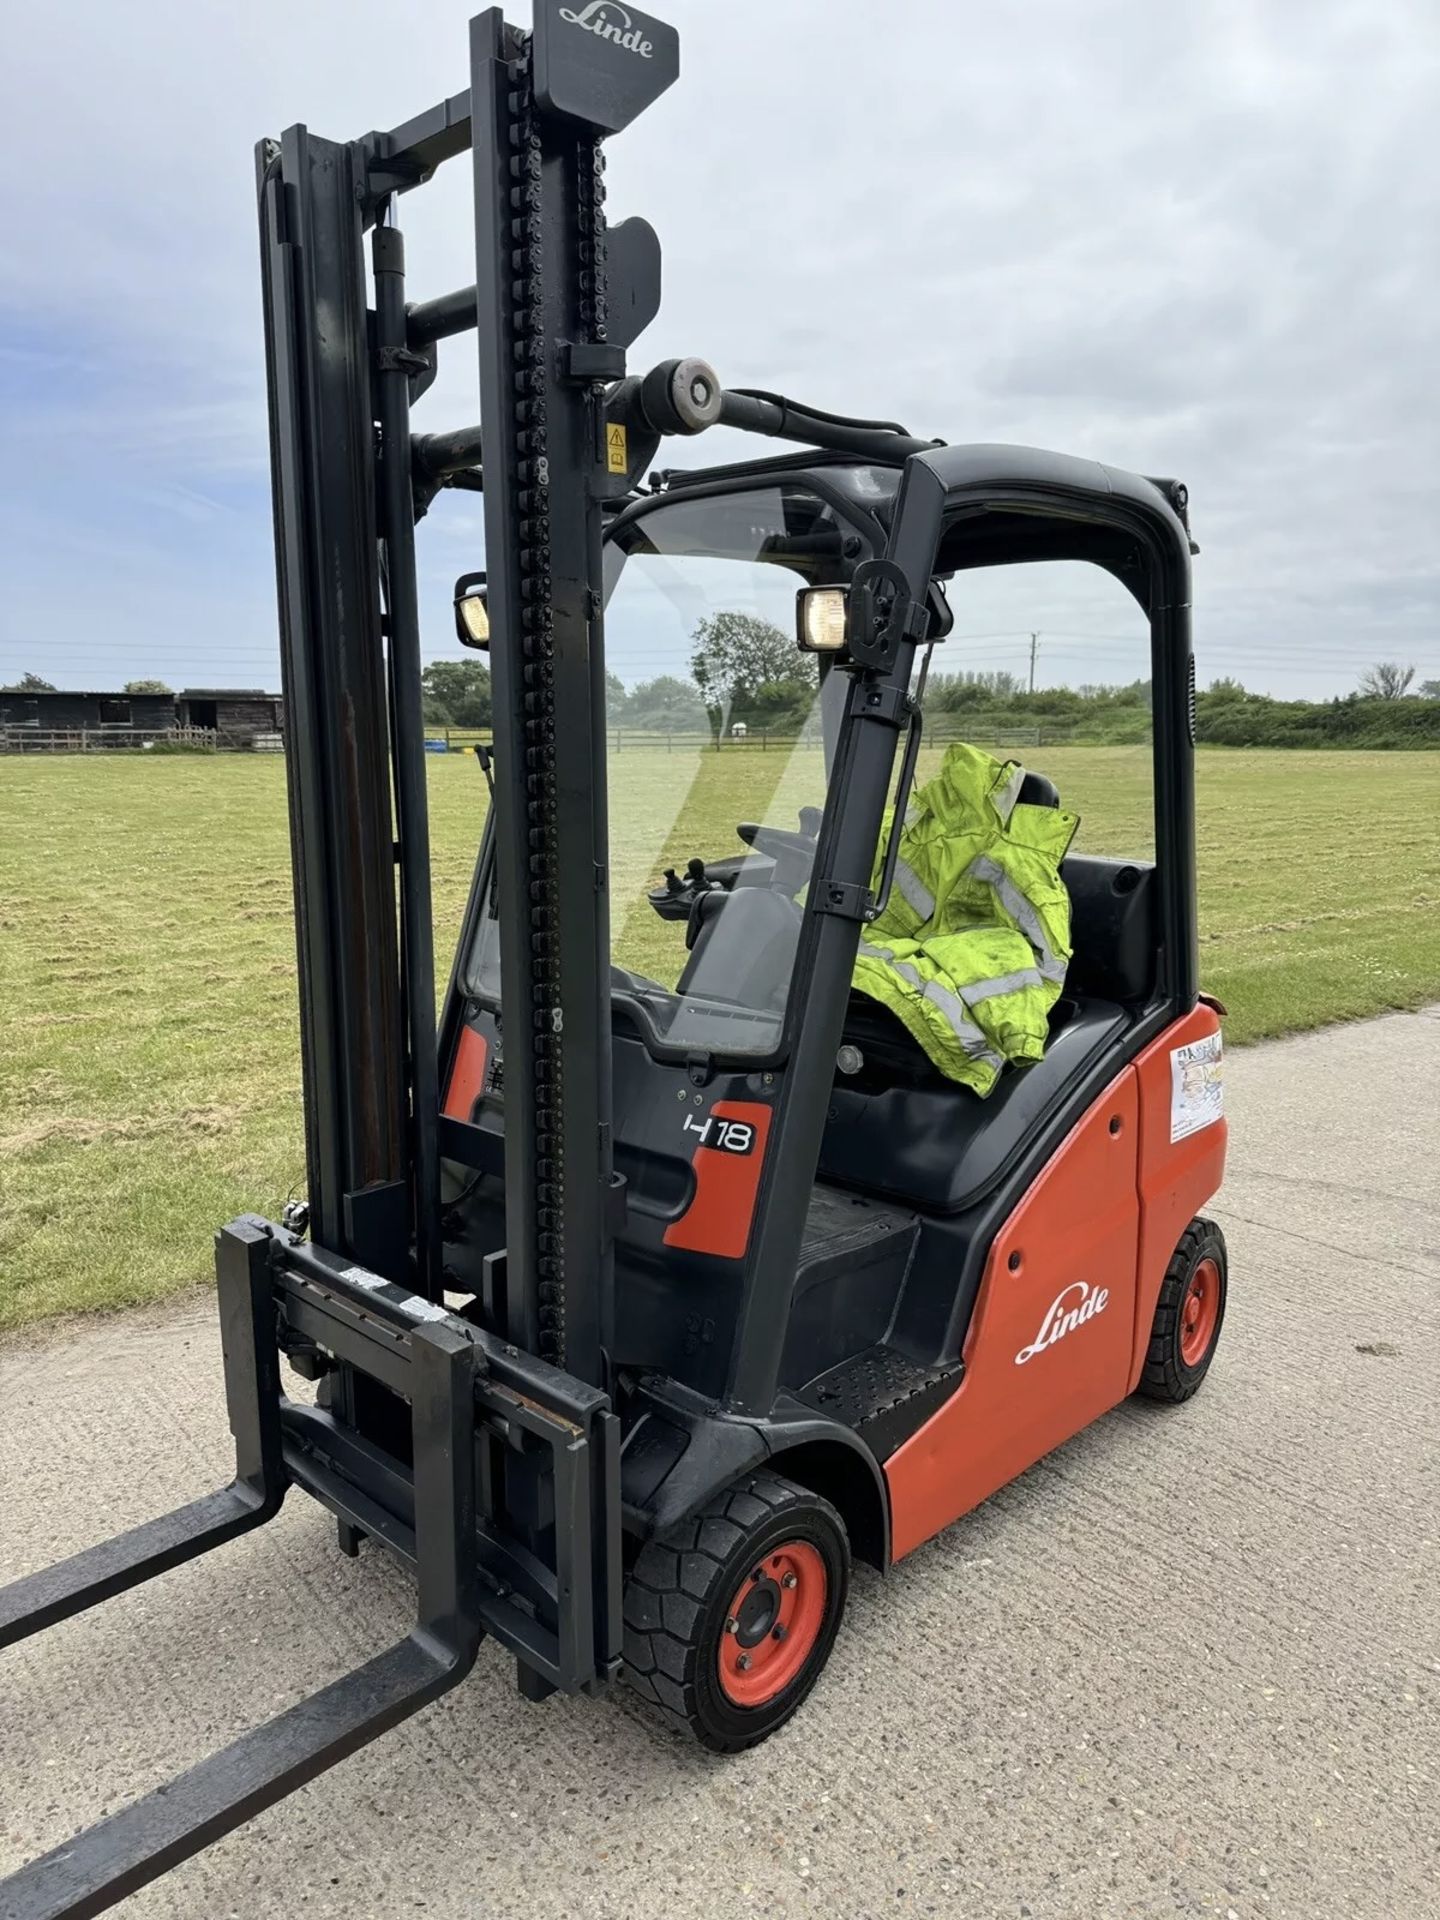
(657, 1274)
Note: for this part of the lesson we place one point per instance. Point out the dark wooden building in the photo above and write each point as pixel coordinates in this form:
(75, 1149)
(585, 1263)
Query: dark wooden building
(235, 716)
(64, 712)
(230, 709)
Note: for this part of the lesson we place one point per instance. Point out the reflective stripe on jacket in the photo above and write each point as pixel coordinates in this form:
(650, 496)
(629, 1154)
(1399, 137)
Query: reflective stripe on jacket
(971, 950)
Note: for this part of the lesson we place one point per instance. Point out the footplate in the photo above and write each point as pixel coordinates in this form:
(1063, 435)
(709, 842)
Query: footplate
(554, 1600)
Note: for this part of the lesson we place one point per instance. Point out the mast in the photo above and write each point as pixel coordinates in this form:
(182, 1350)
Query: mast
(540, 107)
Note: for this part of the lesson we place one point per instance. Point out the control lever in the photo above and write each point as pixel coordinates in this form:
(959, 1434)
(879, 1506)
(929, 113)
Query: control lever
(487, 766)
(674, 897)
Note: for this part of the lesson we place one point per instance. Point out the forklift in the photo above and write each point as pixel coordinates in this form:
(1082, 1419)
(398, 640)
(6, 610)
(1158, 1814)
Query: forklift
(628, 1309)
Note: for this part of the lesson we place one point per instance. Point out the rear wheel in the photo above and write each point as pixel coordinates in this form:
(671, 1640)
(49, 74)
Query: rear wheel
(1188, 1315)
(730, 1618)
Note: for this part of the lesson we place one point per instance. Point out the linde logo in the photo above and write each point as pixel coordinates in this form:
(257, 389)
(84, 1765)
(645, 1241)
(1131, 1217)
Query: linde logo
(603, 17)
(1078, 1303)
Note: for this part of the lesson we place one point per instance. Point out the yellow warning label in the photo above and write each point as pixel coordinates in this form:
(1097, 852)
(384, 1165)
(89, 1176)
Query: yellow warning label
(617, 458)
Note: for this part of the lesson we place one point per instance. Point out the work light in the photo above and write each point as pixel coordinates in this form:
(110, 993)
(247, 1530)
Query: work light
(472, 614)
(820, 619)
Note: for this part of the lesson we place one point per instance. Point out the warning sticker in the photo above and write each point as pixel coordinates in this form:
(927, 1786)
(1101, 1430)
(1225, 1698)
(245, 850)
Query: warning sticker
(362, 1277)
(617, 457)
(421, 1309)
(1197, 1086)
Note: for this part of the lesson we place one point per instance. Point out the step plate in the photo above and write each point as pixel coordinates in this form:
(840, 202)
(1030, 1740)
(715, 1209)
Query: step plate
(883, 1395)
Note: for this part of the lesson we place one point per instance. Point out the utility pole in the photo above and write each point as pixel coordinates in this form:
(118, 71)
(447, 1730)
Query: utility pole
(1034, 642)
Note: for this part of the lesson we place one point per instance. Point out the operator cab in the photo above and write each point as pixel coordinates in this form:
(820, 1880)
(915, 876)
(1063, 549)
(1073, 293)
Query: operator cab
(701, 582)
(897, 1126)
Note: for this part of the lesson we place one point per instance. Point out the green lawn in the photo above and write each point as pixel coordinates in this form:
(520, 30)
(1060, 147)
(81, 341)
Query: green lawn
(149, 1078)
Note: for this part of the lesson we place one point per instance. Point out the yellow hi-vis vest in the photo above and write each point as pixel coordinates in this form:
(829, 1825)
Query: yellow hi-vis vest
(971, 950)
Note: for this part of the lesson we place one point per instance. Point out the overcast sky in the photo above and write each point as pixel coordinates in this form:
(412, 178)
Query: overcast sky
(1196, 240)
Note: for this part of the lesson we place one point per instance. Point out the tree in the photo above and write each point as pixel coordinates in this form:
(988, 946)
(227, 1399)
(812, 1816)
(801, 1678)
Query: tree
(456, 693)
(1388, 680)
(1429, 689)
(972, 688)
(29, 683)
(617, 700)
(668, 705)
(735, 654)
(147, 686)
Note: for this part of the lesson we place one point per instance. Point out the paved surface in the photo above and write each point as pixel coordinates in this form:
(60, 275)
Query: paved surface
(1188, 1665)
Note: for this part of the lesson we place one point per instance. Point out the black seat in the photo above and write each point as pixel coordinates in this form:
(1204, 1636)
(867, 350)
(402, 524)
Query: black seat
(935, 1145)
(1038, 790)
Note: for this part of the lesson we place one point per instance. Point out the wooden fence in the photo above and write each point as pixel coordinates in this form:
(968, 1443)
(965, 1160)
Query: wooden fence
(940, 730)
(111, 739)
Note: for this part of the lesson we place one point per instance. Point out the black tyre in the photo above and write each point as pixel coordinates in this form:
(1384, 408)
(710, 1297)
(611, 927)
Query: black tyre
(729, 1619)
(1188, 1315)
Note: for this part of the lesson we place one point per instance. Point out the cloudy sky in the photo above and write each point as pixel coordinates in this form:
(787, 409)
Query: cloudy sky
(1195, 240)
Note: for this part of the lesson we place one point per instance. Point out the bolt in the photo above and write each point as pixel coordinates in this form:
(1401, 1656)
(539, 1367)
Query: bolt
(777, 1633)
(743, 1663)
(789, 1580)
(732, 1625)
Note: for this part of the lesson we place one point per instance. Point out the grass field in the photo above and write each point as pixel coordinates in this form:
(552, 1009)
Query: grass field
(149, 1078)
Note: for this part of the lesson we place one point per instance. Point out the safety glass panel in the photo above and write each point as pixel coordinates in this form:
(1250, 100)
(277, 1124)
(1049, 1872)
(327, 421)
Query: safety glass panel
(716, 758)
(1048, 664)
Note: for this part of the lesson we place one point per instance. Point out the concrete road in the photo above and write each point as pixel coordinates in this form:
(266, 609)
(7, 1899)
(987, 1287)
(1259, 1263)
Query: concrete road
(1188, 1665)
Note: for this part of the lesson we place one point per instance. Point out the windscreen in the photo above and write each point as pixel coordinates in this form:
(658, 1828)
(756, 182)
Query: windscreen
(715, 757)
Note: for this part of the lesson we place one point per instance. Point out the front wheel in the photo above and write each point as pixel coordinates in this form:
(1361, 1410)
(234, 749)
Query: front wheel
(730, 1618)
(1188, 1315)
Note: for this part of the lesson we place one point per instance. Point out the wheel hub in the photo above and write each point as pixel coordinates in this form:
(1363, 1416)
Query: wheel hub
(1199, 1312)
(772, 1623)
(758, 1613)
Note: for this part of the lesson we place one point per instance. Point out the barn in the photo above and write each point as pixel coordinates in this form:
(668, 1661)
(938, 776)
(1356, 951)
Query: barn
(49, 711)
(43, 717)
(233, 711)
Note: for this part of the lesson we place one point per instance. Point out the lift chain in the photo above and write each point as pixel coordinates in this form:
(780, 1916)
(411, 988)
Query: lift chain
(532, 520)
(594, 289)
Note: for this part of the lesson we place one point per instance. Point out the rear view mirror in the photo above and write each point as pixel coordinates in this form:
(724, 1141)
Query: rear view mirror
(941, 617)
(472, 613)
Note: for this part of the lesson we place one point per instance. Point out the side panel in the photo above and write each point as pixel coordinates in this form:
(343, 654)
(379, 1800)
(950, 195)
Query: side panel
(1176, 1177)
(1051, 1343)
(729, 1155)
(467, 1075)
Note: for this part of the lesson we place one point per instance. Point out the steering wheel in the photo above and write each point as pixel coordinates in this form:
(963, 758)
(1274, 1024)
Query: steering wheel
(793, 854)
(779, 843)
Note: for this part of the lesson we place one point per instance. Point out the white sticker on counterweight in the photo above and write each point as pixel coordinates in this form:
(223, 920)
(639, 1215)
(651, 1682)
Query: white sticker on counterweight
(1197, 1086)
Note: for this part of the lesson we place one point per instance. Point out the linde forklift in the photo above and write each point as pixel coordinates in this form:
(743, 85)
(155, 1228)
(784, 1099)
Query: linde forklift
(635, 1307)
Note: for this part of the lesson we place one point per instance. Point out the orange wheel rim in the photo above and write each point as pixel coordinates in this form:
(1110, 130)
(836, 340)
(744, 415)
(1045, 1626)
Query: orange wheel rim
(772, 1623)
(1199, 1313)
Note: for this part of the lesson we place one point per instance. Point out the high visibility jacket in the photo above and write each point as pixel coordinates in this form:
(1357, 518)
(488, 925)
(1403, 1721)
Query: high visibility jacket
(971, 950)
